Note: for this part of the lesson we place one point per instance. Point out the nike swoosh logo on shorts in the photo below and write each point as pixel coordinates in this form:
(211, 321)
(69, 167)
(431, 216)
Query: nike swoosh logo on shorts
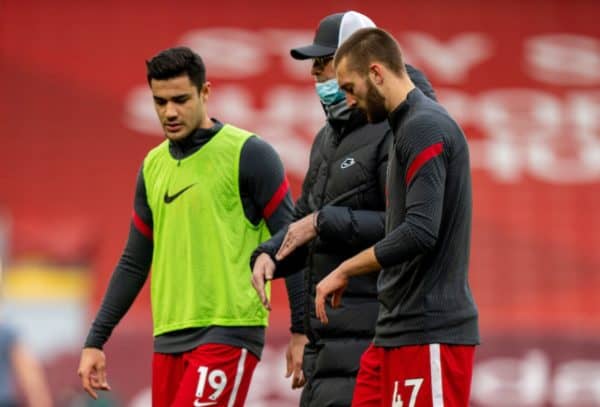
(204, 403)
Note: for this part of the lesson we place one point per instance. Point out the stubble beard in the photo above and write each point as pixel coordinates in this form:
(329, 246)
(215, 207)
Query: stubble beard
(375, 105)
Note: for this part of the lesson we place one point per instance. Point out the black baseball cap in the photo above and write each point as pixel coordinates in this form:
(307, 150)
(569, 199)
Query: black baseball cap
(331, 32)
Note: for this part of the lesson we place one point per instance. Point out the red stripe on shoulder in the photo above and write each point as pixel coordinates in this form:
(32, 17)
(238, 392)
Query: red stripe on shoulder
(141, 226)
(276, 198)
(420, 160)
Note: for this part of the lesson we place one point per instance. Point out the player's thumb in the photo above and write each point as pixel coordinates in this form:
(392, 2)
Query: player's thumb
(101, 372)
(289, 364)
(336, 299)
(269, 271)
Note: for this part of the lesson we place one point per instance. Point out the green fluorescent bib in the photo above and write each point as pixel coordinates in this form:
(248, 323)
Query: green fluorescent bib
(202, 238)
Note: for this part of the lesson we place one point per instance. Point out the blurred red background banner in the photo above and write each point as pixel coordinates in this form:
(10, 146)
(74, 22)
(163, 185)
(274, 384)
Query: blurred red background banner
(522, 78)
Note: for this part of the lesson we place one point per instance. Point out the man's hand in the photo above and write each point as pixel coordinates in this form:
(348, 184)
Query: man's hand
(92, 370)
(263, 271)
(298, 234)
(335, 283)
(293, 356)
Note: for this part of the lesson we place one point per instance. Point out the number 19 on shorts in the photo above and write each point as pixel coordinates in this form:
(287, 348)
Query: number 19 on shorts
(216, 380)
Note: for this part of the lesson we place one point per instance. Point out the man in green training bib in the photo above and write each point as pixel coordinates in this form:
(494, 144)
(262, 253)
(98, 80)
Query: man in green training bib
(201, 206)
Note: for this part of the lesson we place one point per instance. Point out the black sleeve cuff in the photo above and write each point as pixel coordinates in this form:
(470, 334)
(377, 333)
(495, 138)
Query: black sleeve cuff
(297, 298)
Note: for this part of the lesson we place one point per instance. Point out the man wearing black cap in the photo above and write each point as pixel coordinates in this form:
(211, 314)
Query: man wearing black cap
(340, 213)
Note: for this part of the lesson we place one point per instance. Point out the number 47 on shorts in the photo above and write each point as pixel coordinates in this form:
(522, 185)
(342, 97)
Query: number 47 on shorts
(397, 397)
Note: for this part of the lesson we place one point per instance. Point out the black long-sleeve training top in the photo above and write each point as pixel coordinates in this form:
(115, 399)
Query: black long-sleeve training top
(423, 289)
(265, 193)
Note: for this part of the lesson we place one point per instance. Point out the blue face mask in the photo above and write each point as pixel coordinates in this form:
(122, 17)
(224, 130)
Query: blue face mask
(329, 92)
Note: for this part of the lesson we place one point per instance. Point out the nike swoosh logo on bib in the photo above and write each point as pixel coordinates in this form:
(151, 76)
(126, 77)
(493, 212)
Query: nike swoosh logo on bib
(171, 198)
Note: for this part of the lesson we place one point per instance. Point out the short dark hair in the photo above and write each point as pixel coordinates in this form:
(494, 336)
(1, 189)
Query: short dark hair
(173, 62)
(368, 45)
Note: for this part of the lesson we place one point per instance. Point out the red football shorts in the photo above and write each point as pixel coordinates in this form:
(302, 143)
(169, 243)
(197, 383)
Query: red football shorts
(210, 375)
(415, 376)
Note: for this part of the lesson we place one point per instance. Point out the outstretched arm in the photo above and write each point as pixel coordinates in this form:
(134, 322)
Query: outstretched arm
(125, 284)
